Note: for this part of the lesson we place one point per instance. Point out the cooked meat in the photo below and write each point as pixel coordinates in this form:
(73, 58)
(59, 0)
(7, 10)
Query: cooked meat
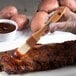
(40, 58)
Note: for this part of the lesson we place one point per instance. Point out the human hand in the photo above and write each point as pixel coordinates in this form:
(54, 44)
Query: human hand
(67, 23)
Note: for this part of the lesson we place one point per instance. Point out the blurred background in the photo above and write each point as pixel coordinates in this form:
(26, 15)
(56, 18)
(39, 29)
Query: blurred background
(28, 7)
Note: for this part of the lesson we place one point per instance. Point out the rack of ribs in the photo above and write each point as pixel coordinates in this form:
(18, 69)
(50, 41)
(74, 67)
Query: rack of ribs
(39, 58)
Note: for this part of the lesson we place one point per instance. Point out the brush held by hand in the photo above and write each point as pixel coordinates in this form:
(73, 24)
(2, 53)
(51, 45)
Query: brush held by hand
(67, 23)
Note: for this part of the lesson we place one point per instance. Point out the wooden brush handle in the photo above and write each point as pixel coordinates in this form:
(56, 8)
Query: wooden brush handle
(54, 18)
(36, 36)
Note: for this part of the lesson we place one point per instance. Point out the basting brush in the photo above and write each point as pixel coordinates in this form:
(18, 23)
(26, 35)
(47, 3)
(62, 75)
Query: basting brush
(32, 40)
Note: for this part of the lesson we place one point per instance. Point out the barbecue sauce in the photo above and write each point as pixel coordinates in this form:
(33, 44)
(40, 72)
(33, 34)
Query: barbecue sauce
(6, 28)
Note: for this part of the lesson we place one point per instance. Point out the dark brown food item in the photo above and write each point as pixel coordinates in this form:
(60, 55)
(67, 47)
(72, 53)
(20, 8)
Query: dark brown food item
(21, 20)
(38, 20)
(48, 5)
(39, 58)
(6, 28)
(8, 11)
